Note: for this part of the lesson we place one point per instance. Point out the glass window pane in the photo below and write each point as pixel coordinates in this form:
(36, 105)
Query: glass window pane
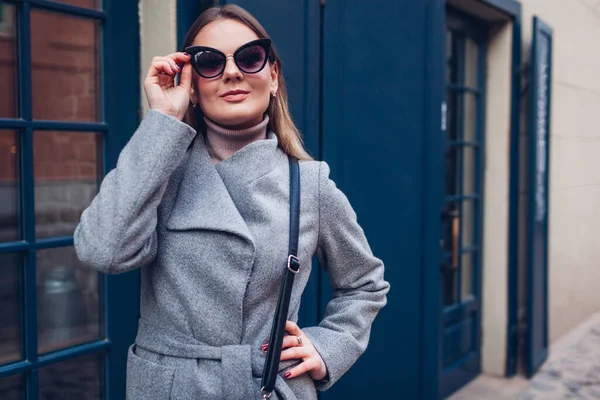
(66, 168)
(466, 275)
(471, 64)
(68, 300)
(451, 236)
(452, 170)
(451, 229)
(449, 43)
(468, 223)
(453, 57)
(10, 284)
(79, 378)
(8, 61)
(65, 67)
(450, 286)
(470, 117)
(469, 170)
(12, 387)
(81, 3)
(9, 186)
(453, 114)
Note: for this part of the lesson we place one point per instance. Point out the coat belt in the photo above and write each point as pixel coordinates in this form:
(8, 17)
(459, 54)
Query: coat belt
(239, 362)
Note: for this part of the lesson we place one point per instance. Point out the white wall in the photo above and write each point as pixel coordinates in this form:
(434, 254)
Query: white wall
(574, 193)
(496, 200)
(158, 35)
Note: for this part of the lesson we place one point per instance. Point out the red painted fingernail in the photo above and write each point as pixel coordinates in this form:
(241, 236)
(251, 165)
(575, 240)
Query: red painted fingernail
(265, 347)
(187, 54)
(287, 374)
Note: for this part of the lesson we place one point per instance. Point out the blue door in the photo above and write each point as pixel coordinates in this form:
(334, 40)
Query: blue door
(536, 341)
(64, 329)
(463, 202)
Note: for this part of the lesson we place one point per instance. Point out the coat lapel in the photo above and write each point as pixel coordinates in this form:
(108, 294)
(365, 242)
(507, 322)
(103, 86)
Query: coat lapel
(203, 201)
(250, 163)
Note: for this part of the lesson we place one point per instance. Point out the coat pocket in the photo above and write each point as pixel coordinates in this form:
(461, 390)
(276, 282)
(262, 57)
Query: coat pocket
(147, 380)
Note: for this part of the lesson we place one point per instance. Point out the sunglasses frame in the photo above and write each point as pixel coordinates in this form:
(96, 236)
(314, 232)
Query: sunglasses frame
(264, 43)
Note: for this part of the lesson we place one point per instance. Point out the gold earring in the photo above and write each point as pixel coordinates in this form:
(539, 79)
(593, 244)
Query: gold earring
(273, 93)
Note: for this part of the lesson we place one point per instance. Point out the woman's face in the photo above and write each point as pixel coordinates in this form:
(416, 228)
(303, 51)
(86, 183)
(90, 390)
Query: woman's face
(246, 108)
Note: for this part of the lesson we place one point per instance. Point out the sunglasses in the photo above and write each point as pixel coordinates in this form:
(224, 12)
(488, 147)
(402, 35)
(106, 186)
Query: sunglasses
(250, 58)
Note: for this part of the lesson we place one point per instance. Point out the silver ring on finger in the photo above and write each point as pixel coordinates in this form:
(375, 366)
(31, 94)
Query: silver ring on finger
(299, 339)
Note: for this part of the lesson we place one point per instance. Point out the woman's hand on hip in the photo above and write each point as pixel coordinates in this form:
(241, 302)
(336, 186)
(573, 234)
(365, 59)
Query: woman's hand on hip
(298, 346)
(162, 93)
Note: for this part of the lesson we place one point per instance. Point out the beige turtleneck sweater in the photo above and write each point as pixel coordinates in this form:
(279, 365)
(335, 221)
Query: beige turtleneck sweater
(222, 143)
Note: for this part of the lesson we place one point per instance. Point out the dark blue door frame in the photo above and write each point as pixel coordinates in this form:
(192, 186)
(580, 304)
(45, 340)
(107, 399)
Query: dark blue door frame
(512, 9)
(432, 284)
(461, 337)
(122, 88)
(431, 368)
(433, 196)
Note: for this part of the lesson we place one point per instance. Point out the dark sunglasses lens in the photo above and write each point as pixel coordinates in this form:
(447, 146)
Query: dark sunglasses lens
(251, 59)
(208, 63)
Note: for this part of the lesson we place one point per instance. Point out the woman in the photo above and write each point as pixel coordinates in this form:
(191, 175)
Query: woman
(202, 207)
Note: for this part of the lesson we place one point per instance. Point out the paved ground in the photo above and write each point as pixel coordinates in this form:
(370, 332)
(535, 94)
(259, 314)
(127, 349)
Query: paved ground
(573, 375)
(571, 372)
(491, 388)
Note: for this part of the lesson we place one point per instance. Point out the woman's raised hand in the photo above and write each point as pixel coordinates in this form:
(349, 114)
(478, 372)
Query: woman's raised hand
(162, 93)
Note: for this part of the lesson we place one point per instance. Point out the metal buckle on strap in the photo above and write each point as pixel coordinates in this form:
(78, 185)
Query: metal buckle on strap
(264, 393)
(293, 264)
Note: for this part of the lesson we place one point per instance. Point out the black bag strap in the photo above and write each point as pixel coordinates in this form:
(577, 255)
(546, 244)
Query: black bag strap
(283, 303)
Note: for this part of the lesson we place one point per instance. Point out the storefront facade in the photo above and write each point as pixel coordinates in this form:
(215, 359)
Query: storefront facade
(422, 109)
(69, 102)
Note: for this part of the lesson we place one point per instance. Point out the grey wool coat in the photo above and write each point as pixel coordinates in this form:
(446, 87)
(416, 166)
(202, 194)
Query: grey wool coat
(212, 243)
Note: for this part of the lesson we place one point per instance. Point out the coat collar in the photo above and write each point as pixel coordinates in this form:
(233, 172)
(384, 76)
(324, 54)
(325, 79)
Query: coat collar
(251, 162)
(204, 199)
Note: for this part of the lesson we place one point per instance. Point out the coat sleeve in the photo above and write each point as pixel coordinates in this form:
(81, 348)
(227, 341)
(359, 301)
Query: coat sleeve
(117, 232)
(356, 276)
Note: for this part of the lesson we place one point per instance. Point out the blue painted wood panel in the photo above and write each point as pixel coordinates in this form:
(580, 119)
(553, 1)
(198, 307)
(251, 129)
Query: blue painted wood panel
(122, 117)
(539, 154)
(375, 122)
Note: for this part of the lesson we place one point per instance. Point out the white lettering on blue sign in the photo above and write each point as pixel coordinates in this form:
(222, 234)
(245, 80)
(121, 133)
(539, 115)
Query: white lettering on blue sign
(444, 113)
(541, 134)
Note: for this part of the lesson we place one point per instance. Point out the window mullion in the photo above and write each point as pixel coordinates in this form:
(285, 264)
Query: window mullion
(29, 305)
(461, 137)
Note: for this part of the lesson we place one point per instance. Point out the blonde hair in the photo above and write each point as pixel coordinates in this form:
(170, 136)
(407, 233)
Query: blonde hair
(280, 119)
